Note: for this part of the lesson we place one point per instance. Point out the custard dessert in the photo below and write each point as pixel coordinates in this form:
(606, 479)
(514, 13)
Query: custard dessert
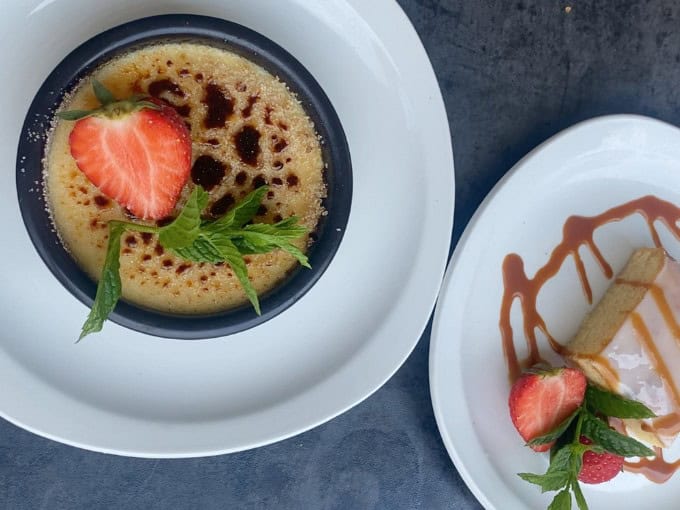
(247, 130)
(630, 342)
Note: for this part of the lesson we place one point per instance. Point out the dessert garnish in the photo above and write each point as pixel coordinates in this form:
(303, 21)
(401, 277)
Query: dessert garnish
(558, 409)
(138, 152)
(533, 397)
(628, 343)
(192, 238)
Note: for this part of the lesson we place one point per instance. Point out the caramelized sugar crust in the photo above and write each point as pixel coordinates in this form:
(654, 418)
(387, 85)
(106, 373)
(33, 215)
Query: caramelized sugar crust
(247, 130)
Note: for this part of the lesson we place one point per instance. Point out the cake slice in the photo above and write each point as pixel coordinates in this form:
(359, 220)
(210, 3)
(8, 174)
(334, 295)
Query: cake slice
(630, 342)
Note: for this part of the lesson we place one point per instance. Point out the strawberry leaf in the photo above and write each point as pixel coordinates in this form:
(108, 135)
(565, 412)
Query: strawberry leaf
(618, 444)
(555, 433)
(75, 114)
(610, 404)
(109, 287)
(184, 230)
(103, 95)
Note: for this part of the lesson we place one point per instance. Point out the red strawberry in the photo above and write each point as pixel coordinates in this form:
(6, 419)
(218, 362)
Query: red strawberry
(136, 151)
(599, 467)
(541, 400)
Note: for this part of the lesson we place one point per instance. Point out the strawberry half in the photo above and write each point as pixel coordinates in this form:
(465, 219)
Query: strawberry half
(599, 467)
(542, 399)
(136, 151)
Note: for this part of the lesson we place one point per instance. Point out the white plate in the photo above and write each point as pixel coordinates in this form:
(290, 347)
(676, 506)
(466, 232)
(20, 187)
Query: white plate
(584, 170)
(130, 394)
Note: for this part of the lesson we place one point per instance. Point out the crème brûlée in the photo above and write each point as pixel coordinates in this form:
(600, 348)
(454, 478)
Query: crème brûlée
(247, 130)
(630, 343)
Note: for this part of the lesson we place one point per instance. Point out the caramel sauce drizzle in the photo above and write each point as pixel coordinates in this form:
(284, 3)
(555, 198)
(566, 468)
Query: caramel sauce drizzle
(665, 309)
(656, 469)
(653, 353)
(578, 231)
(668, 425)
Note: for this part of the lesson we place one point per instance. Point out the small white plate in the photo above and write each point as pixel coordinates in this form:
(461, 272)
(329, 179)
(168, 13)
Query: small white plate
(126, 393)
(584, 170)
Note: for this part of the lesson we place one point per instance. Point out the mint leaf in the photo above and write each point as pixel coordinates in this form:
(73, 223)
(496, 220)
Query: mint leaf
(561, 461)
(241, 213)
(184, 230)
(201, 250)
(191, 238)
(562, 501)
(555, 433)
(103, 95)
(216, 247)
(578, 494)
(285, 229)
(264, 238)
(549, 481)
(559, 473)
(600, 433)
(610, 404)
(576, 460)
(109, 286)
(265, 243)
(238, 265)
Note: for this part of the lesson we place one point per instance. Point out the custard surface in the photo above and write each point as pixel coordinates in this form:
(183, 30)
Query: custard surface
(243, 120)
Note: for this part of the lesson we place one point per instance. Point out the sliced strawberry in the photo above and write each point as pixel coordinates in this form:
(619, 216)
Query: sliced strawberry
(541, 400)
(599, 467)
(137, 152)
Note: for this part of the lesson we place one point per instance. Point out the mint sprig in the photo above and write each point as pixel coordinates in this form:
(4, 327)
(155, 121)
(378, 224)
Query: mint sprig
(189, 237)
(588, 420)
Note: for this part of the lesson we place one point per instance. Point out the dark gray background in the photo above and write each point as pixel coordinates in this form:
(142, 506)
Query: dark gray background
(513, 73)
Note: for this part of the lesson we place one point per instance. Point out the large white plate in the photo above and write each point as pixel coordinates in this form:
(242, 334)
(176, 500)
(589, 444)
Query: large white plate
(584, 170)
(126, 393)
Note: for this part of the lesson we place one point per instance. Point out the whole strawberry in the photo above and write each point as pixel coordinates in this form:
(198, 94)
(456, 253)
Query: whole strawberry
(136, 151)
(599, 467)
(541, 399)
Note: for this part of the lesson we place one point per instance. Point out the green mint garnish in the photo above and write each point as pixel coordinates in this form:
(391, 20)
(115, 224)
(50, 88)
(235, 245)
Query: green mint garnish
(600, 433)
(226, 239)
(589, 420)
(109, 287)
(610, 404)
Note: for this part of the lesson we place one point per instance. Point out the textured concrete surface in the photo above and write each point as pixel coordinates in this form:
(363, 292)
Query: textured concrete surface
(513, 73)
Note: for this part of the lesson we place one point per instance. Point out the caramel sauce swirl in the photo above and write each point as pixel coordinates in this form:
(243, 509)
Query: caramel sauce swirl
(656, 469)
(579, 231)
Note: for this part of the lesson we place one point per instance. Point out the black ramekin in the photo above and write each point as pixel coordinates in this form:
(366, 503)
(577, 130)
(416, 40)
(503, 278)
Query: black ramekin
(222, 34)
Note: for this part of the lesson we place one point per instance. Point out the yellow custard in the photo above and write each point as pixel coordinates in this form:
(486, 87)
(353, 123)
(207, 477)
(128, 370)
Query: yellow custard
(244, 124)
